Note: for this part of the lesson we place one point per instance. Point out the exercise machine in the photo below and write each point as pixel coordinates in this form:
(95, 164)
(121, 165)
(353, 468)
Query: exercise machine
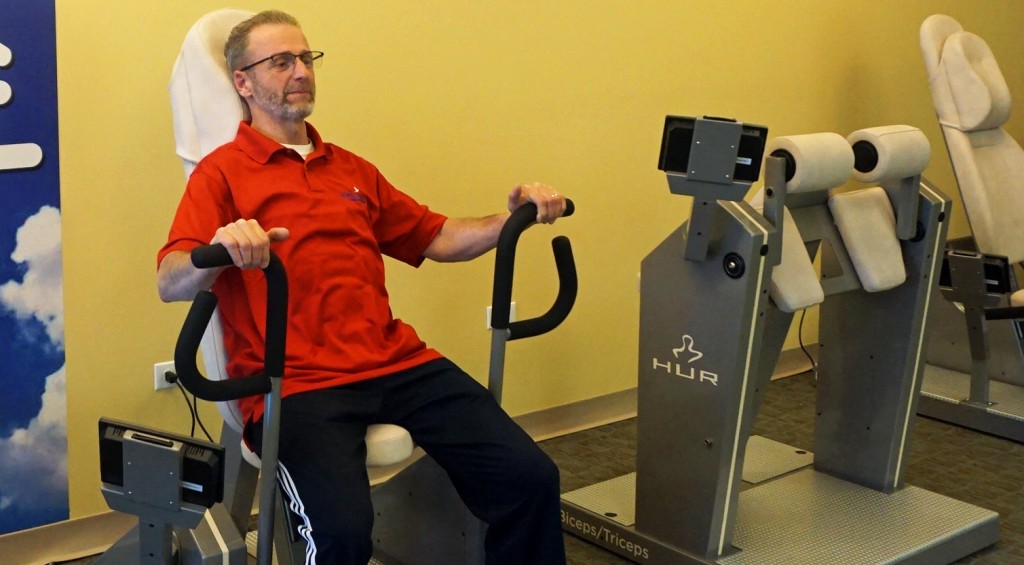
(717, 297)
(975, 371)
(169, 480)
(206, 113)
(420, 518)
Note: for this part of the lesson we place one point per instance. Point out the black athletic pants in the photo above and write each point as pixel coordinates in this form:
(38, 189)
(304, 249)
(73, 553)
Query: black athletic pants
(500, 473)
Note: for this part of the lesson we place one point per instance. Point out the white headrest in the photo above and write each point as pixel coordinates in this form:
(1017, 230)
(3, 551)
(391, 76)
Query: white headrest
(817, 161)
(889, 153)
(205, 105)
(935, 29)
(979, 91)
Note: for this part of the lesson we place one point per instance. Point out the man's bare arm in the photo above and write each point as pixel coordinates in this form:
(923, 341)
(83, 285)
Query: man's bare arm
(462, 239)
(246, 242)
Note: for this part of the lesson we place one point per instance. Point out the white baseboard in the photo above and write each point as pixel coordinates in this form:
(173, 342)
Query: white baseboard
(90, 535)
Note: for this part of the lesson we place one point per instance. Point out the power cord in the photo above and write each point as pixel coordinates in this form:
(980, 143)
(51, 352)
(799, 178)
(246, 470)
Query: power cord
(192, 405)
(800, 340)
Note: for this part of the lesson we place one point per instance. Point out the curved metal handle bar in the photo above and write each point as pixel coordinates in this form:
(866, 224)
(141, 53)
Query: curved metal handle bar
(504, 268)
(210, 256)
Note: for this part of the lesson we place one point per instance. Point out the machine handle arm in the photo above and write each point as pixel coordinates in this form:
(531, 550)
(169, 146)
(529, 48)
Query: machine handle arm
(209, 256)
(1008, 313)
(504, 267)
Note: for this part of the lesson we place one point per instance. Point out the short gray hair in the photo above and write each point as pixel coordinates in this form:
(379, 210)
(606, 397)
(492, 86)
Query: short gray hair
(238, 39)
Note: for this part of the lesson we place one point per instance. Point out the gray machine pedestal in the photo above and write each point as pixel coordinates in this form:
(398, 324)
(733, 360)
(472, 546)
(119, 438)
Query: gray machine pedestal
(789, 513)
(947, 376)
(943, 392)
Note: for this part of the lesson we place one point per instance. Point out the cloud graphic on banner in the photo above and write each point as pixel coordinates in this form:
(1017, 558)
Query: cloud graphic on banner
(33, 469)
(40, 295)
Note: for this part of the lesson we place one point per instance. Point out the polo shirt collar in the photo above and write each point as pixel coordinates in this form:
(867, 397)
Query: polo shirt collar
(261, 148)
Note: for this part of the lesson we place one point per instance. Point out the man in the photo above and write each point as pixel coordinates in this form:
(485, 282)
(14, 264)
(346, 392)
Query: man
(330, 216)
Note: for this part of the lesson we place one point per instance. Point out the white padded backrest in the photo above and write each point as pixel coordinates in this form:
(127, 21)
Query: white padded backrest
(794, 284)
(868, 227)
(934, 31)
(206, 111)
(206, 107)
(972, 102)
(976, 84)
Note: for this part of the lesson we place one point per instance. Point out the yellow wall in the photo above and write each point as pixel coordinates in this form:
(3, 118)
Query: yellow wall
(456, 101)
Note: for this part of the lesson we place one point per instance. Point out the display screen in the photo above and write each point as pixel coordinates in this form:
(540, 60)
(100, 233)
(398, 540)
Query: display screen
(202, 480)
(678, 137)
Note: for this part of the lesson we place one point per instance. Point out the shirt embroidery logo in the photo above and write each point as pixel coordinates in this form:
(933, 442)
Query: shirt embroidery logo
(355, 196)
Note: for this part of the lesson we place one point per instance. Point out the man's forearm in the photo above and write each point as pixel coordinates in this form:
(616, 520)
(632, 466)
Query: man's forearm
(178, 280)
(462, 239)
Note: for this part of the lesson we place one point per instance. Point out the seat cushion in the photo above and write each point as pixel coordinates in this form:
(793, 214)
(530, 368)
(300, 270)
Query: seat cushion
(387, 444)
(1017, 298)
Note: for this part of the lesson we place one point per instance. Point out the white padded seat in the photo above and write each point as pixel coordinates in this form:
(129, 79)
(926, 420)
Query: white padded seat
(1017, 298)
(206, 111)
(868, 227)
(972, 102)
(387, 444)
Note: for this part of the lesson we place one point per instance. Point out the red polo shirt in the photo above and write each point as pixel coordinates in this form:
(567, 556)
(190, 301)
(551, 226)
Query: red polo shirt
(342, 215)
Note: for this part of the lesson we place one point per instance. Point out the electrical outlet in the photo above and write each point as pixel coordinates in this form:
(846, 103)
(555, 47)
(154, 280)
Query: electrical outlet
(159, 369)
(511, 314)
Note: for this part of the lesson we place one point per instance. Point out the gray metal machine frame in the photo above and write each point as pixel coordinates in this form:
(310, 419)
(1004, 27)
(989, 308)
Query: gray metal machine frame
(975, 371)
(709, 340)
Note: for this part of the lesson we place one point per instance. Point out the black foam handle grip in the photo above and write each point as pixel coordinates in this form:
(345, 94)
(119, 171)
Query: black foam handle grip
(504, 267)
(199, 315)
(567, 288)
(210, 256)
(185, 358)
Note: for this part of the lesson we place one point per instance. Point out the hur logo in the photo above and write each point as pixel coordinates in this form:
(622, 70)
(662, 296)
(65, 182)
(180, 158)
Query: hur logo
(687, 371)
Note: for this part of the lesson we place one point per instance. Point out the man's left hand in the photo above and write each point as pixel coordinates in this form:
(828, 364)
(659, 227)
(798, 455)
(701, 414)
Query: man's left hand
(550, 203)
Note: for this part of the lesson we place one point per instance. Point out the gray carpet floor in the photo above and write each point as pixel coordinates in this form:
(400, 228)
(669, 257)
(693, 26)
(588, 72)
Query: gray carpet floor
(970, 466)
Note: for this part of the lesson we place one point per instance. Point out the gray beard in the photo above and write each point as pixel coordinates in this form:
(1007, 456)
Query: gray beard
(274, 104)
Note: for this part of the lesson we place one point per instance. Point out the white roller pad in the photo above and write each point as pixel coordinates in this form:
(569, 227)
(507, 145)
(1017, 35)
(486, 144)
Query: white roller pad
(387, 444)
(868, 228)
(978, 89)
(822, 160)
(903, 151)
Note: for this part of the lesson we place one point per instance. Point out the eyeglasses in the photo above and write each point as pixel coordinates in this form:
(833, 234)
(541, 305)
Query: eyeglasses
(281, 62)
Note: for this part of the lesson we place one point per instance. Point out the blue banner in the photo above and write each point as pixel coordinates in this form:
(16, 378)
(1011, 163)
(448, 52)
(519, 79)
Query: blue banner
(33, 414)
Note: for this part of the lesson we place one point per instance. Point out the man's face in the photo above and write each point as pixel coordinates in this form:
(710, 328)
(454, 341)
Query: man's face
(280, 94)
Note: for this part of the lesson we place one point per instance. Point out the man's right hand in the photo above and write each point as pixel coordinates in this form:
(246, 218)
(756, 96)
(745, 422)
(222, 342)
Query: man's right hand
(248, 243)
